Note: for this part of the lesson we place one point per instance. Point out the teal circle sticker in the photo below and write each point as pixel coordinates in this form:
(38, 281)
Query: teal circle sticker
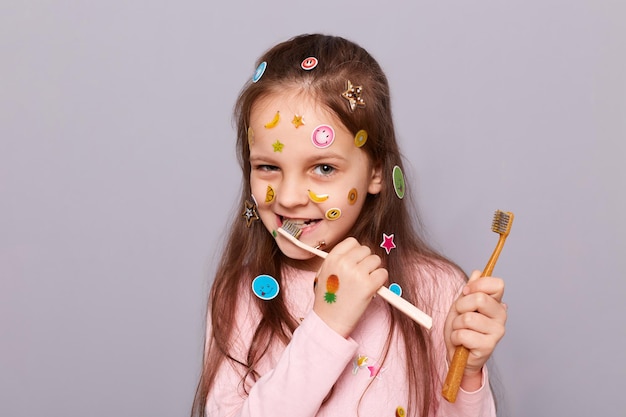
(265, 287)
(396, 289)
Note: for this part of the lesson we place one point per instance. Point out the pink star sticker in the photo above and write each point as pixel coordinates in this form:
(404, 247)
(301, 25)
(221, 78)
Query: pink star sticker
(388, 242)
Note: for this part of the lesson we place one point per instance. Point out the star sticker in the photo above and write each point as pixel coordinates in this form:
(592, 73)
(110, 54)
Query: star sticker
(278, 147)
(297, 121)
(353, 95)
(249, 213)
(388, 242)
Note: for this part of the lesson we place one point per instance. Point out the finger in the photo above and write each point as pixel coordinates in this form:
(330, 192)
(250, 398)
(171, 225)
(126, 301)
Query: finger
(481, 303)
(369, 263)
(478, 323)
(491, 286)
(344, 246)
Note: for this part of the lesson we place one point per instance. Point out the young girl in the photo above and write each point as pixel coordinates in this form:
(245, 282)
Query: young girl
(292, 334)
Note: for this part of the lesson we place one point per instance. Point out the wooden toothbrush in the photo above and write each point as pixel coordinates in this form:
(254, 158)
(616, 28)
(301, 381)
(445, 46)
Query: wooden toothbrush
(292, 233)
(502, 222)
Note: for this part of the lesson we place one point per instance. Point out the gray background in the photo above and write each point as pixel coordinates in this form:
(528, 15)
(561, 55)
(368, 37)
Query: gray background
(117, 175)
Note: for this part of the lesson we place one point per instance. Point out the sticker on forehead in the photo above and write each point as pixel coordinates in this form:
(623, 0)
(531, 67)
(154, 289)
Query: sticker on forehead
(360, 138)
(258, 73)
(398, 182)
(269, 194)
(298, 121)
(323, 136)
(352, 196)
(309, 63)
(250, 136)
(333, 213)
(265, 287)
(272, 123)
(278, 146)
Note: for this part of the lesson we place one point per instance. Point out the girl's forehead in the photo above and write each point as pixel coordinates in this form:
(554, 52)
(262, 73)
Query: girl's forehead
(292, 102)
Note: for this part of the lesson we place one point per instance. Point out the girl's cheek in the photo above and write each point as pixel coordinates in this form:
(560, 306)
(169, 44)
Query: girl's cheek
(342, 204)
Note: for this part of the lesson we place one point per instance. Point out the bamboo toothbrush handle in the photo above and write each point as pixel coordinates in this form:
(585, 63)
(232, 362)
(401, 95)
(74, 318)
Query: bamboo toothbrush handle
(461, 353)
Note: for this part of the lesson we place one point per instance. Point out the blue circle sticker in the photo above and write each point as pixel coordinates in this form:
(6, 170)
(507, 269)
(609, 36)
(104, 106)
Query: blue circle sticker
(265, 287)
(396, 289)
(259, 71)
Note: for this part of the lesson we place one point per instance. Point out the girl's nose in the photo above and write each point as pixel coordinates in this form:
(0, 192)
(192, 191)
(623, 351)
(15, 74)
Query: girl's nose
(292, 193)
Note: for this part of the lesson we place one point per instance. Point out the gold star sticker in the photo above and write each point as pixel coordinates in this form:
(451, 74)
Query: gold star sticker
(297, 121)
(250, 213)
(278, 147)
(353, 95)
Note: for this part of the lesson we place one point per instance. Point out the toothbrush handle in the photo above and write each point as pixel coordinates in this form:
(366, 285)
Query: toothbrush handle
(461, 353)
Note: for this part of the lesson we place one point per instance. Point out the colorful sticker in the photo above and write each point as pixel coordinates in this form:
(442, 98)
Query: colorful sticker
(388, 243)
(396, 289)
(297, 121)
(359, 362)
(398, 182)
(323, 136)
(250, 213)
(332, 285)
(333, 213)
(400, 412)
(353, 95)
(259, 71)
(376, 371)
(352, 196)
(360, 138)
(309, 63)
(317, 198)
(272, 123)
(278, 146)
(269, 194)
(265, 287)
(250, 136)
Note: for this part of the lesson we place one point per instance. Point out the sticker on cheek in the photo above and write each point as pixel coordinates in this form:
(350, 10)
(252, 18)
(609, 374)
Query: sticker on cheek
(333, 213)
(269, 194)
(265, 287)
(323, 136)
(360, 138)
(317, 198)
(352, 196)
(332, 285)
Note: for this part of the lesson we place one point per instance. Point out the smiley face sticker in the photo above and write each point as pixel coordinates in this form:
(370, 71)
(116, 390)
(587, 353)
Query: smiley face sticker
(265, 287)
(333, 213)
(258, 73)
(309, 63)
(323, 136)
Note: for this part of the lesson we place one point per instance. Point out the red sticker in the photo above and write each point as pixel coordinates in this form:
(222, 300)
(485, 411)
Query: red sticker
(309, 63)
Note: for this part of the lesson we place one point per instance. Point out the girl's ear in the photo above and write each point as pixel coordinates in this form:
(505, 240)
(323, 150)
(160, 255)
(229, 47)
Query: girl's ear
(376, 181)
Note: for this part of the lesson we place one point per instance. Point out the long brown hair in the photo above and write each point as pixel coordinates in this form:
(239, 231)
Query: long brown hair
(247, 252)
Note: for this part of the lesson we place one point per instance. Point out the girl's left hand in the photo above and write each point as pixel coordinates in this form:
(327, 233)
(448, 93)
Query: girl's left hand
(476, 320)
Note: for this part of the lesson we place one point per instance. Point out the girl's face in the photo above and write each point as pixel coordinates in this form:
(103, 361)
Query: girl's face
(306, 168)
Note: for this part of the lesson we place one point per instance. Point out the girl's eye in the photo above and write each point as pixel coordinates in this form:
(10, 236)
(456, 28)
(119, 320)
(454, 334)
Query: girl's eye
(324, 170)
(266, 168)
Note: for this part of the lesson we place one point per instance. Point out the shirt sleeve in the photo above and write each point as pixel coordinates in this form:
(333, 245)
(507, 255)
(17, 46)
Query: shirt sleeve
(297, 385)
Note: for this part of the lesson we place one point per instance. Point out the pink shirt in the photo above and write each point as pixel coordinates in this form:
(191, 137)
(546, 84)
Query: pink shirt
(296, 379)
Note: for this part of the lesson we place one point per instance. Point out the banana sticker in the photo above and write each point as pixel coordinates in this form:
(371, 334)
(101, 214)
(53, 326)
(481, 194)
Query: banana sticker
(271, 124)
(317, 198)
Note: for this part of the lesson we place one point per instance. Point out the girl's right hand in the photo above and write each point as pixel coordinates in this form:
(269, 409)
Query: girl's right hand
(345, 285)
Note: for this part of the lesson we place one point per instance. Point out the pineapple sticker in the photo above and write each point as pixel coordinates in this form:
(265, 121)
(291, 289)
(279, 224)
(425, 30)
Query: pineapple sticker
(332, 285)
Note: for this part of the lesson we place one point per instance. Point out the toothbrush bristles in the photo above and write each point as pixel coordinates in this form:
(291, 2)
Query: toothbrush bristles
(293, 229)
(502, 222)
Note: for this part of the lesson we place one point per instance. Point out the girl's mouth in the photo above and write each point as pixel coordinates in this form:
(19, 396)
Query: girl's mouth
(301, 223)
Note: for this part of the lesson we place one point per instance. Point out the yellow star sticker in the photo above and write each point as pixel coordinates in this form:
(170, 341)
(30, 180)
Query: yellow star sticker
(353, 95)
(297, 121)
(278, 147)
